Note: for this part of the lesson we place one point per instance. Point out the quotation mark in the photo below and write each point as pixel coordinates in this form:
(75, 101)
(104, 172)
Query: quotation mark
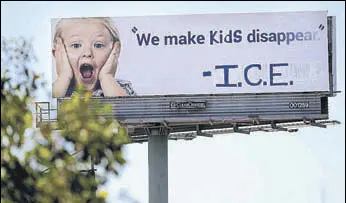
(134, 29)
(206, 73)
(321, 27)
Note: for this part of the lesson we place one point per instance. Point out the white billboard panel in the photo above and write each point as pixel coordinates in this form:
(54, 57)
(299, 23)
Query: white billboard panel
(192, 54)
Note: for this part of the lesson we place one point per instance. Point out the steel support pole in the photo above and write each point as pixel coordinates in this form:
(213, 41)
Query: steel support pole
(158, 165)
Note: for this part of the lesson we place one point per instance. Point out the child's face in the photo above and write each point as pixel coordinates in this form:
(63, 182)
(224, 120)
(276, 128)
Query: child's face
(88, 45)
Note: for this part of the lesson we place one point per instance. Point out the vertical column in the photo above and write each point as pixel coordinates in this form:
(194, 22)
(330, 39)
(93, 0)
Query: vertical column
(158, 166)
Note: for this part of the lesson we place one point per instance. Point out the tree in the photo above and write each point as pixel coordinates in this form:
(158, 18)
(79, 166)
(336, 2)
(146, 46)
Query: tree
(48, 171)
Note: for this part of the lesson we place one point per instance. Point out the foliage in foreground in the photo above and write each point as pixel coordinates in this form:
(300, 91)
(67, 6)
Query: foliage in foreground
(44, 165)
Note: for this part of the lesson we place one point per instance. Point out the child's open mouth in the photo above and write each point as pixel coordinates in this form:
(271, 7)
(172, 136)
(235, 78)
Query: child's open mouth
(87, 71)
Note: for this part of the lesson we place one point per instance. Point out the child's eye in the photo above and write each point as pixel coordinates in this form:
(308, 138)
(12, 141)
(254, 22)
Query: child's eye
(76, 46)
(98, 45)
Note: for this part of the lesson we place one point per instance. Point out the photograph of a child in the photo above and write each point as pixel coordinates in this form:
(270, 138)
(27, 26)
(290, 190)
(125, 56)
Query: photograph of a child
(86, 53)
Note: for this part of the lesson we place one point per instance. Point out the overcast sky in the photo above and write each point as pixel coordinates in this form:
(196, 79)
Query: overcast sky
(303, 167)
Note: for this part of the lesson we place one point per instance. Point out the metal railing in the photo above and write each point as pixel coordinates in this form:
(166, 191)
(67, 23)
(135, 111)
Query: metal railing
(44, 113)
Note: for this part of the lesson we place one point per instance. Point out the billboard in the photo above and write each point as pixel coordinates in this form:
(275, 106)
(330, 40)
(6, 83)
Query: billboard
(192, 54)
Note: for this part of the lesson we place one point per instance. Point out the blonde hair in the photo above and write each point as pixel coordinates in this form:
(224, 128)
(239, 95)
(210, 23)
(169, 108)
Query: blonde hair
(107, 22)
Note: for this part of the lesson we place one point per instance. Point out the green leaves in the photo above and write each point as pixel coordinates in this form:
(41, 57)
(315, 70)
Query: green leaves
(90, 133)
(50, 170)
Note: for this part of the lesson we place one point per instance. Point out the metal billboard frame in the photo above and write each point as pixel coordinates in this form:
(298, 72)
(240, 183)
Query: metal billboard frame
(157, 119)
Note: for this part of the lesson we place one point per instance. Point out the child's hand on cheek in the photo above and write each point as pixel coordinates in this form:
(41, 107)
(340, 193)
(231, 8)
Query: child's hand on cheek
(63, 66)
(109, 68)
(63, 70)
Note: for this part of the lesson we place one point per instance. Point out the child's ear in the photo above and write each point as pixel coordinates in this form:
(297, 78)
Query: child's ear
(117, 48)
(56, 44)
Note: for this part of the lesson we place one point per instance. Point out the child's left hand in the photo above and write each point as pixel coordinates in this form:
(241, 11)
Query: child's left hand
(110, 67)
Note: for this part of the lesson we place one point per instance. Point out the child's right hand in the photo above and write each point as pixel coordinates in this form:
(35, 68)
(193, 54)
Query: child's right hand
(63, 70)
(63, 66)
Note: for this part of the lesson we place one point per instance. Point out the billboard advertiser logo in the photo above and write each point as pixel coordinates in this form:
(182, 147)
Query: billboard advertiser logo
(188, 105)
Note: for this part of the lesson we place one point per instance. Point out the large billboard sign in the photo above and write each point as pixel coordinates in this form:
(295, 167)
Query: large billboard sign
(192, 54)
